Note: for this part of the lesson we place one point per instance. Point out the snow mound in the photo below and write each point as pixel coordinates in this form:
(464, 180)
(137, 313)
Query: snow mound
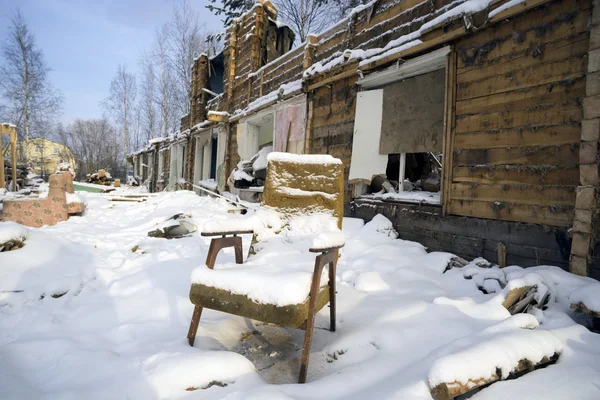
(261, 158)
(48, 265)
(75, 198)
(588, 295)
(380, 225)
(12, 231)
(495, 350)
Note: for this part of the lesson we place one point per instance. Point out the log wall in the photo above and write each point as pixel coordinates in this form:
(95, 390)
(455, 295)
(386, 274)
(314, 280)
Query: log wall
(519, 91)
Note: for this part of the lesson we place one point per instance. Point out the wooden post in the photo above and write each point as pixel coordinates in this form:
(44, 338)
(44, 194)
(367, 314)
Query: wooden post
(1, 164)
(501, 254)
(402, 172)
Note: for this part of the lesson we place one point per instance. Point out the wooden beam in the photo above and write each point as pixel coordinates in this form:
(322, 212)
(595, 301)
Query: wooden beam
(449, 129)
(517, 9)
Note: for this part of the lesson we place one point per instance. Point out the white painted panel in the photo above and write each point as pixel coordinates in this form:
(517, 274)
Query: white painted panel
(173, 166)
(206, 160)
(247, 140)
(199, 149)
(366, 160)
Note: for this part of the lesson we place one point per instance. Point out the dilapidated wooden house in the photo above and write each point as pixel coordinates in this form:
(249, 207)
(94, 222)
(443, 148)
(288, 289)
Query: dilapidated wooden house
(485, 111)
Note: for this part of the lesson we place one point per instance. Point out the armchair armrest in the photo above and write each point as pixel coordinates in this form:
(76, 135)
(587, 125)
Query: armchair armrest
(327, 241)
(228, 227)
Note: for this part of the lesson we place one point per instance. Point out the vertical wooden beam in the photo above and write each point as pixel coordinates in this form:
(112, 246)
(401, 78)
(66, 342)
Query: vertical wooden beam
(449, 128)
(309, 51)
(13, 145)
(501, 254)
(586, 201)
(232, 59)
(1, 164)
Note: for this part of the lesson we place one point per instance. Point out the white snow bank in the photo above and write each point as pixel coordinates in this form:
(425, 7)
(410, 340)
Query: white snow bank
(12, 231)
(380, 224)
(303, 158)
(47, 265)
(75, 198)
(588, 295)
(498, 348)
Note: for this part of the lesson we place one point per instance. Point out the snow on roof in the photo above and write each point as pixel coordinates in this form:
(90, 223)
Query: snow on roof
(280, 93)
(303, 158)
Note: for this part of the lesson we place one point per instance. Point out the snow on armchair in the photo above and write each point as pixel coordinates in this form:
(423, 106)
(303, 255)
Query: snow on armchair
(301, 216)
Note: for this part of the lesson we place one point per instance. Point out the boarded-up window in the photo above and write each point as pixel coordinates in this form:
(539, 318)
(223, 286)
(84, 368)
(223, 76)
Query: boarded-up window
(413, 115)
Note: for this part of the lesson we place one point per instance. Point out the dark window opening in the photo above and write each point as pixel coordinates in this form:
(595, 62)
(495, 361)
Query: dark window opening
(422, 171)
(213, 159)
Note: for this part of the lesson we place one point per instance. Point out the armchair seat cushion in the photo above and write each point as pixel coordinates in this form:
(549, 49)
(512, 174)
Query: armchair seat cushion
(291, 315)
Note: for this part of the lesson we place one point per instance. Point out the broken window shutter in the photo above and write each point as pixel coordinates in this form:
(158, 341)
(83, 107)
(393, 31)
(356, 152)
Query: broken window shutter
(366, 160)
(413, 114)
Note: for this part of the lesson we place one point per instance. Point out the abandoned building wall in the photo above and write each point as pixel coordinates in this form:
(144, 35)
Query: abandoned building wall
(526, 244)
(519, 91)
(331, 111)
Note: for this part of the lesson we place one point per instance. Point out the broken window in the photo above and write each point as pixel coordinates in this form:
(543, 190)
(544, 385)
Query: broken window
(399, 131)
(281, 128)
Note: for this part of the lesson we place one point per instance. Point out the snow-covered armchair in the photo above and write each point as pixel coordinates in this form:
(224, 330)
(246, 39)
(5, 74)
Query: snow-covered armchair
(296, 234)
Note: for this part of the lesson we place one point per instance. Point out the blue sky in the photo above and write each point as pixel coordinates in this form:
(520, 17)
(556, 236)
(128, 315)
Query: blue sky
(85, 40)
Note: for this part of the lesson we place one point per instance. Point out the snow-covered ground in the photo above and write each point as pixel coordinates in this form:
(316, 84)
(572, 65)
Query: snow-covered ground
(93, 308)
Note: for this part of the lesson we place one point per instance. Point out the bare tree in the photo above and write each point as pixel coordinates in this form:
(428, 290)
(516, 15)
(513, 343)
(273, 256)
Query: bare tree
(146, 106)
(95, 145)
(304, 16)
(339, 9)
(165, 95)
(120, 103)
(186, 40)
(31, 101)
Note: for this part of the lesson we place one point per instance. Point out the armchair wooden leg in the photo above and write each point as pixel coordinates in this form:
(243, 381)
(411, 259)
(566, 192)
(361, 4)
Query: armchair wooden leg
(332, 267)
(216, 245)
(191, 336)
(320, 262)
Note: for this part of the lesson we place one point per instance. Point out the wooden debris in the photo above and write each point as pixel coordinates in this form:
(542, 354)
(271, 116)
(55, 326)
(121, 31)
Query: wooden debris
(130, 199)
(515, 296)
(99, 178)
(451, 390)
(11, 245)
(582, 308)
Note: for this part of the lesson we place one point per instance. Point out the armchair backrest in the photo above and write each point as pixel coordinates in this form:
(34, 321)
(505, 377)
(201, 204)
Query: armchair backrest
(305, 184)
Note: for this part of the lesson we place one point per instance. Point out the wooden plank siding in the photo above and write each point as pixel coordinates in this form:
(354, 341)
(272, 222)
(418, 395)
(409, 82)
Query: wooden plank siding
(519, 90)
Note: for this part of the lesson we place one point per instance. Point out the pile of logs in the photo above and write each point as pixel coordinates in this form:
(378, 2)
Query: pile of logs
(22, 173)
(99, 178)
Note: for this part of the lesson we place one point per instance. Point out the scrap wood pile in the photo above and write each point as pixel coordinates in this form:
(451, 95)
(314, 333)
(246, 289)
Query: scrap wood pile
(22, 175)
(99, 178)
